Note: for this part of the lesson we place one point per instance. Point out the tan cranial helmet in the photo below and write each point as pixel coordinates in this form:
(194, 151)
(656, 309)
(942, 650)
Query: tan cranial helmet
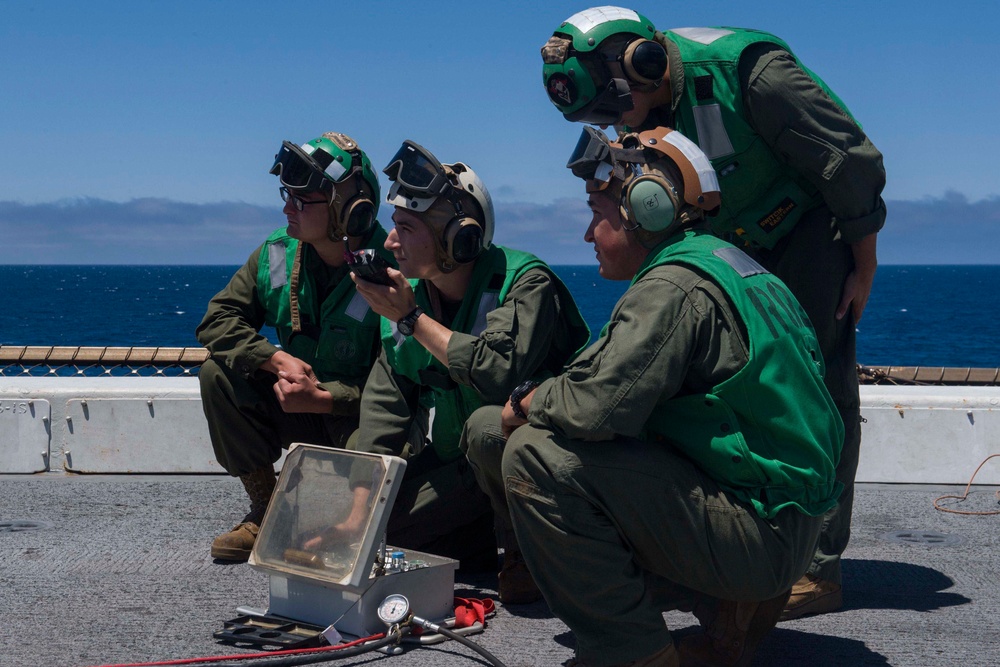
(666, 181)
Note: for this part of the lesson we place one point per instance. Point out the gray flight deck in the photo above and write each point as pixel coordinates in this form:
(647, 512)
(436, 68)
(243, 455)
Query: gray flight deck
(108, 569)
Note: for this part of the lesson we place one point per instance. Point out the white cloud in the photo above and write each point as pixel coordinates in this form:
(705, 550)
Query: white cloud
(945, 230)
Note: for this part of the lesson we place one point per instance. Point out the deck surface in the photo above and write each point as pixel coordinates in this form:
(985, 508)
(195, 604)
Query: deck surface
(120, 573)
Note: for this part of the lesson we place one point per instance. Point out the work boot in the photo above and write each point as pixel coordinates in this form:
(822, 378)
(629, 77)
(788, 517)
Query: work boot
(516, 585)
(237, 544)
(812, 595)
(732, 634)
(665, 657)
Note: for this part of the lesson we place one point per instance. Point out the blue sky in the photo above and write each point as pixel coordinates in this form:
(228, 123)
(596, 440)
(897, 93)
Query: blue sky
(142, 132)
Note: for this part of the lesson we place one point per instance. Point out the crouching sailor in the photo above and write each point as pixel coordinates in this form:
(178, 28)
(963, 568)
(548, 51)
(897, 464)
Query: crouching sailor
(259, 398)
(684, 460)
(474, 321)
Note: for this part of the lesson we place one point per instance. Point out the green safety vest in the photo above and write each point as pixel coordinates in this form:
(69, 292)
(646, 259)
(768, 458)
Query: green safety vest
(343, 342)
(771, 433)
(495, 273)
(762, 198)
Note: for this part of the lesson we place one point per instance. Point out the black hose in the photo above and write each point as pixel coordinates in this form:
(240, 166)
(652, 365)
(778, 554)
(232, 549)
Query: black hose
(326, 656)
(433, 627)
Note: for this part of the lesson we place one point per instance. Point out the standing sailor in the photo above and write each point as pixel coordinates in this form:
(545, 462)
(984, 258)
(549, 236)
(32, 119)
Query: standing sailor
(801, 184)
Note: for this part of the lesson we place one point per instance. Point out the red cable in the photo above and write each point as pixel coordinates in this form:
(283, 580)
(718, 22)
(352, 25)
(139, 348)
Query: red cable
(252, 656)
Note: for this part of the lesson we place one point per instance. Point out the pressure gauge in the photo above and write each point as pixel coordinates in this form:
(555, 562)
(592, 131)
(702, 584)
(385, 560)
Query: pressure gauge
(394, 609)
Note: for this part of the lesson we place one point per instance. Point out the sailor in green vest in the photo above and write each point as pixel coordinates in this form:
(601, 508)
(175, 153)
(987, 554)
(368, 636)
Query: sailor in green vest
(801, 185)
(474, 321)
(260, 397)
(684, 460)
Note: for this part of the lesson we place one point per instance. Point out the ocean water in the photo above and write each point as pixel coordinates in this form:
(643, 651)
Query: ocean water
(916, 316)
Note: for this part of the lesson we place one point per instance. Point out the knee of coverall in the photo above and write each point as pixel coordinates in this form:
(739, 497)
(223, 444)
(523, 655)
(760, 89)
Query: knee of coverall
(523, 465)
(211, 379)
(482, 438)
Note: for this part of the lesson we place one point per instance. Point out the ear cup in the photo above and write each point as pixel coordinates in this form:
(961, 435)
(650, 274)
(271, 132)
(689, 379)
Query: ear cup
(359, 215)
(649, 202)
(644, 61)
(463, 239)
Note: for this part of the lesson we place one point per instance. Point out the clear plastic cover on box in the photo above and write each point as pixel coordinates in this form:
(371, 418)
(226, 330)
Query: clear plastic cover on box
(327, 515)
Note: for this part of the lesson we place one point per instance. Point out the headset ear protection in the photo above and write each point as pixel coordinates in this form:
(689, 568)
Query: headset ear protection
(644, 61)
(652, 201)
(463, 237)
(649, 202)
(358, 213)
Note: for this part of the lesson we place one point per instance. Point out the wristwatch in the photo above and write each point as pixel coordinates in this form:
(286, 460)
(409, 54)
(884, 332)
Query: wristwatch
(520, 391)
(405, 325)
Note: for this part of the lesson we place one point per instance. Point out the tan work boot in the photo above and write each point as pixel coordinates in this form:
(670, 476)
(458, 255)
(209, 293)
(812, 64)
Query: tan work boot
(516, 585)
(733, 633)
(237, 544)
(812, 595)
(665, 657)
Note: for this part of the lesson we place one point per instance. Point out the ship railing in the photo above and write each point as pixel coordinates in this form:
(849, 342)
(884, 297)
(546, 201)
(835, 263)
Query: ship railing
(928, 375)
(47, 361)
(41, 361)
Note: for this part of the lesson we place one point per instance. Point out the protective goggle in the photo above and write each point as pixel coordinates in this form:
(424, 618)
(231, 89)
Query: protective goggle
(592, 158)
(418, 172)
(298, 171)
(591, 150)
(607, 106)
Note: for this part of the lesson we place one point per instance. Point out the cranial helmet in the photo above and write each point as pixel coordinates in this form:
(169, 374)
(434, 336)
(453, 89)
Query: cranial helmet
(334, 165)
(594, 59)
(666, 180)
(452, 198)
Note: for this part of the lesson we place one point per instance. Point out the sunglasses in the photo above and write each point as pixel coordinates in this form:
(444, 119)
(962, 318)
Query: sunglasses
(299, 203)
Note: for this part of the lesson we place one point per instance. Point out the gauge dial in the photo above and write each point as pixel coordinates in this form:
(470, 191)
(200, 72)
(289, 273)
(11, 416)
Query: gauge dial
(394, 609)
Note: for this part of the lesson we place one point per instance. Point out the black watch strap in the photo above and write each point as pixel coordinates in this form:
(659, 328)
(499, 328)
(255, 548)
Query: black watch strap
(406, 323)
(520, 391)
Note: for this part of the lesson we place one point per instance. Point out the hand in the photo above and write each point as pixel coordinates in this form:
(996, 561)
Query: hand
(509, 422)
(858, 285)
(347, 530)
(282, 361)
(393, 302)
(857, 289)
(325, 539)
(299, 392)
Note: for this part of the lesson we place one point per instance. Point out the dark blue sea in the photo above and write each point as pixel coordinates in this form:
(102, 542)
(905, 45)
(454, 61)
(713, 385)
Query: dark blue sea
(917, 315)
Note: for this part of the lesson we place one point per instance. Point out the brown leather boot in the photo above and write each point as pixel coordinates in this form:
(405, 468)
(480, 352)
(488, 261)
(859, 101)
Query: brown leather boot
(732, 634)
(516, 585)
(812, 595)
(237, 544)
